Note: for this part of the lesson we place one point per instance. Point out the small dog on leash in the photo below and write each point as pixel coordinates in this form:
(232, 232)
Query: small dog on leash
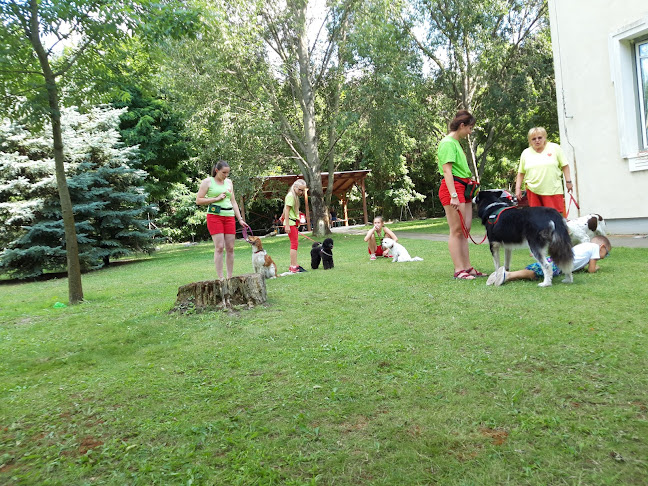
(542, 229)
(398, 251)
(322, 252)
(583, 229)
(261, 261)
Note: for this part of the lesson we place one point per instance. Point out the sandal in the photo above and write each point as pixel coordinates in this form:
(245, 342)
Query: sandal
(476, 274)
(463, 275)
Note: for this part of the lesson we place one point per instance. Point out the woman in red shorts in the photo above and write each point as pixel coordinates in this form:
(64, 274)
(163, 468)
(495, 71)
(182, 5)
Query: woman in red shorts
(217, 192)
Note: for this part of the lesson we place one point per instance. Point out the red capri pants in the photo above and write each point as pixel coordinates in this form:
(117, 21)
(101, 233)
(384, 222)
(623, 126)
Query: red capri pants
(217, 224)
(294, 237)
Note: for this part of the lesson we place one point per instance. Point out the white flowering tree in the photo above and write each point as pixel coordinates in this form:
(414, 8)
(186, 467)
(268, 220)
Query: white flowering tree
(105, 186)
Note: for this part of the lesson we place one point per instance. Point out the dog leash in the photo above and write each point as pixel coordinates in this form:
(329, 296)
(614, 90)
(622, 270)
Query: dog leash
(571, 198)
(302, 234)
(466, 233)
(245, 232)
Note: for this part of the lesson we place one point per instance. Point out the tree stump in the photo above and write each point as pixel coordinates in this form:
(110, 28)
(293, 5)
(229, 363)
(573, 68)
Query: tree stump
(248, 290)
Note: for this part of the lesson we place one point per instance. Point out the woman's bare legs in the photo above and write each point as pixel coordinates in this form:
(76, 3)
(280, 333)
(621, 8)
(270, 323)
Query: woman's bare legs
(229, 257)
(219, 246)
(457, 242)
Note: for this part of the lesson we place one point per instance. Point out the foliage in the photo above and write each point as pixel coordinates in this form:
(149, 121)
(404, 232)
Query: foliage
(492, 57)
(33, 69)
(109, 204)
(409, 383)
(152, 125)
(181, 219)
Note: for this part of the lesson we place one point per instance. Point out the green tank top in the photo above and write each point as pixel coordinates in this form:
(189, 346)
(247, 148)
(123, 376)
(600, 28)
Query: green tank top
(224, 207)
(379, 236)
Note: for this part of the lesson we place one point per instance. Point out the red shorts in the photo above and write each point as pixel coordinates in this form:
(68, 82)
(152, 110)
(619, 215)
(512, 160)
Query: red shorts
(217, 224)
(556, 201)
(294, 238)
(379, 250)
(444, 195)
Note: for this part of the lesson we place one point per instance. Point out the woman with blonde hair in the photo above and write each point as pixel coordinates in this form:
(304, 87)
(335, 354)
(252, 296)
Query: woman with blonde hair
(542, 168)
(217, 193)
(291, 220)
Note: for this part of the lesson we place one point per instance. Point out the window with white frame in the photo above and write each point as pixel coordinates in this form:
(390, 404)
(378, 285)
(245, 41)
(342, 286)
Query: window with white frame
(642, 85)
(629, 67)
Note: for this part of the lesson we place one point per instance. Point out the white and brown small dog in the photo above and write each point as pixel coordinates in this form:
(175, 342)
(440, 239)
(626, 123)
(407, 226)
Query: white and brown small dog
(398, 251)
(583, 229)
(261, 261)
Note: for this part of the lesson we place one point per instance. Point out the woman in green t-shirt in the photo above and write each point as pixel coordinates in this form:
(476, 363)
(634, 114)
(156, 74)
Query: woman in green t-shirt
(453, 166)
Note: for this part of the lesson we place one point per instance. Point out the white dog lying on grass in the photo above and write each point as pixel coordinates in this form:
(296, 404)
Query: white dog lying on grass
(398, 251)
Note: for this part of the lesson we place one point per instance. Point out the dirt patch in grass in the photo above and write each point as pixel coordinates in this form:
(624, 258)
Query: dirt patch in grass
(497, 436)
(89, 443)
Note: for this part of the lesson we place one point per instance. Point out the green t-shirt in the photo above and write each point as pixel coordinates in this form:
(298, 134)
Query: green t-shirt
(450, 151)
(292, 216)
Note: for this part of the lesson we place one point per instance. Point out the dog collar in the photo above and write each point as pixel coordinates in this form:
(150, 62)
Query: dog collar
(258, 251)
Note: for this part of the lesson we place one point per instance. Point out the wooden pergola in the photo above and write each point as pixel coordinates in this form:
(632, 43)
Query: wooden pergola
(343, 182)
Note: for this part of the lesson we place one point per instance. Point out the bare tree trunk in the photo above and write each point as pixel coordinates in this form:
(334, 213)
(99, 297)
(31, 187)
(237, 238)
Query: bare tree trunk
(319, 221)
(75, 289)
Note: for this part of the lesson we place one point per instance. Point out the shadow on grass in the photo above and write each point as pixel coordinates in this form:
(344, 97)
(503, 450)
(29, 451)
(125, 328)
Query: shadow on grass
(55, 275)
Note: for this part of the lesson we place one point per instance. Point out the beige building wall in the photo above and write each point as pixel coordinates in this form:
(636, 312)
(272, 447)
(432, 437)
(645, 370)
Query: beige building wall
(596, 85)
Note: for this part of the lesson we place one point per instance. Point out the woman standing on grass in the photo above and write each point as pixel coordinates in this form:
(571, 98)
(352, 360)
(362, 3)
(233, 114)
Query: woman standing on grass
(217, 191)
(542, 168)
(291, 220)
(453, 166)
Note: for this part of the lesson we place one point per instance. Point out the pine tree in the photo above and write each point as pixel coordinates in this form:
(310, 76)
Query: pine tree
(105, 186)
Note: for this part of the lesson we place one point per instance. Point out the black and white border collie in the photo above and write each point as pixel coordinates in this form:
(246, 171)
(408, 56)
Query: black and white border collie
(542, 229)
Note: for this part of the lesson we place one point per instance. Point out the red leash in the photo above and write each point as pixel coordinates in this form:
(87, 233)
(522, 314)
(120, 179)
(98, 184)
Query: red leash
(571, 198)
(302, 234)
(466, 233)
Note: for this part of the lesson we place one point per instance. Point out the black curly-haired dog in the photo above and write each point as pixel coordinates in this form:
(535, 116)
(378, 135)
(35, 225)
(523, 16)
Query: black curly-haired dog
(322, 252)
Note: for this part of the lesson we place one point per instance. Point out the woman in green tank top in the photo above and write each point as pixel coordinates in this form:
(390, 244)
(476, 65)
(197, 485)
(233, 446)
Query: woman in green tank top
(217, 193)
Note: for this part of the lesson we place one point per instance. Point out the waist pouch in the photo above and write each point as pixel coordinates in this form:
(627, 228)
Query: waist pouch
(471, 188)
(216, 209)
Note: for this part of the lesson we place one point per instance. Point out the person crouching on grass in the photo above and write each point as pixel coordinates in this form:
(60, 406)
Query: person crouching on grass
(585, 255)
(375, 236)
(291, 220)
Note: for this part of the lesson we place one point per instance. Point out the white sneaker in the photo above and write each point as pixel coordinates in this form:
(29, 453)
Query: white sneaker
(500, 277)
(497, 278)
(372, 257)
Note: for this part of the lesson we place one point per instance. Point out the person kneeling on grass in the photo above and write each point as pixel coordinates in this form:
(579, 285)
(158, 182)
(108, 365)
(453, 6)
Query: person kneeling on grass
(585, 254)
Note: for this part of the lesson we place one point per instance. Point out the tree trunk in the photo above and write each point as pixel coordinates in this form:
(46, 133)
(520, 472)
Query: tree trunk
(75, 289)
(313, 161)
(248, 290)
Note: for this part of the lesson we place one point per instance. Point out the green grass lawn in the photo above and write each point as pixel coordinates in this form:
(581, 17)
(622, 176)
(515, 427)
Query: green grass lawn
(372, 373)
